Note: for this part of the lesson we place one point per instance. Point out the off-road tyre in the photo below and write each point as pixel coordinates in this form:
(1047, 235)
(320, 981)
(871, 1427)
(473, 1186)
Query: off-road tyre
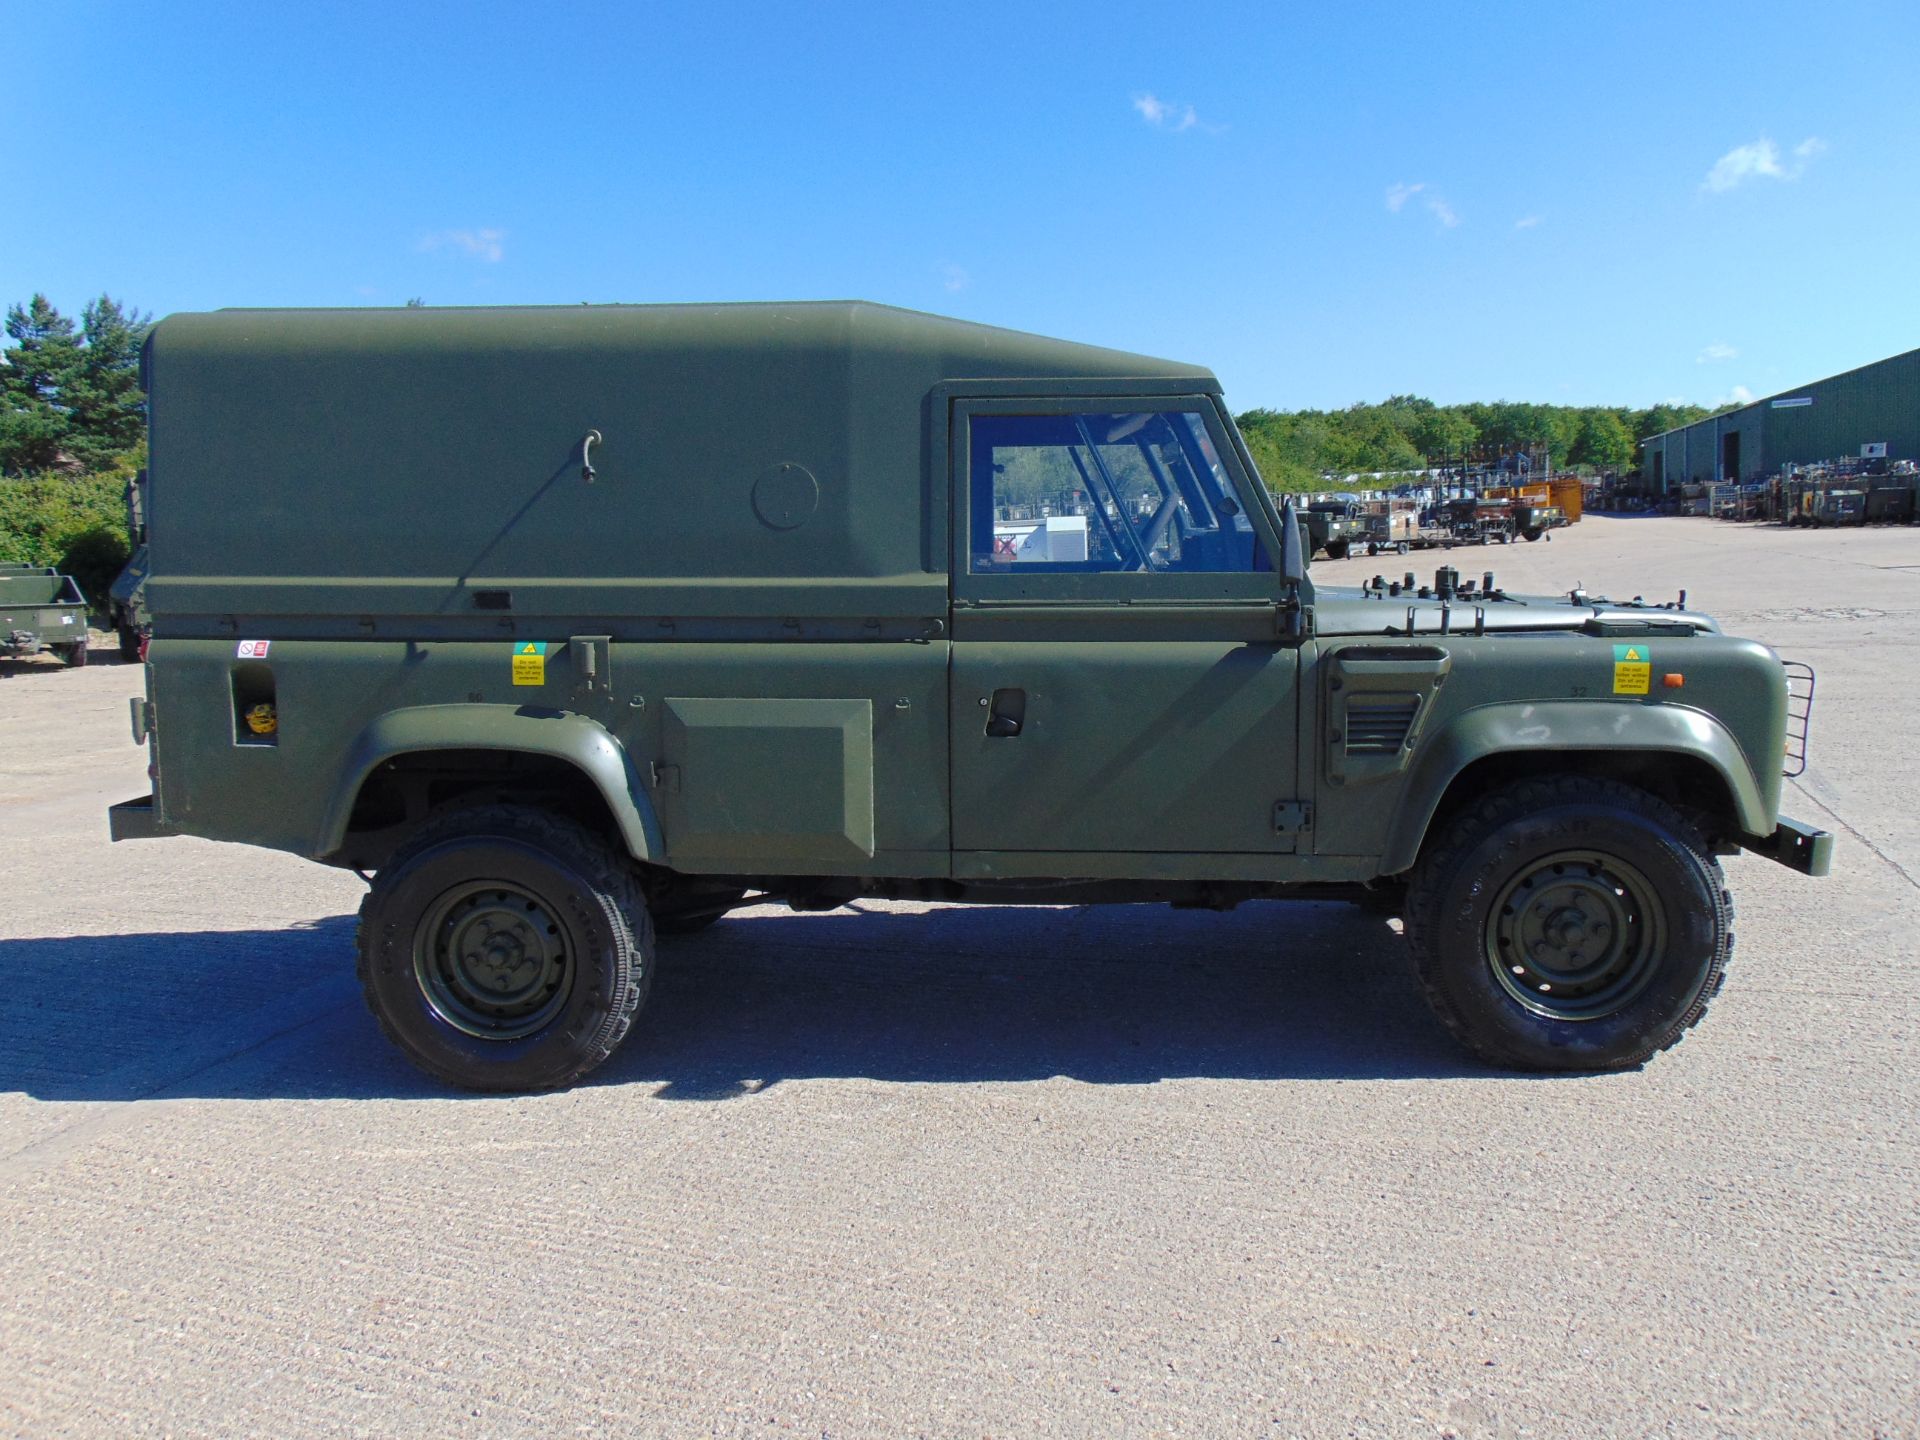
(543, 875)
(1336, 549)
(75, 655)
(1564, 836)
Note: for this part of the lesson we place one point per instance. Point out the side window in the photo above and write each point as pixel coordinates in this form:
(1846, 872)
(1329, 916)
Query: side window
(1129, 491)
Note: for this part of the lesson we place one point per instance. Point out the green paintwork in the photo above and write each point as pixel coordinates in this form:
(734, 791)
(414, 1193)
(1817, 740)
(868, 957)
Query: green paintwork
(127, 597)
(1513, 728)
(1328, 523)
(40, 609)
(753, 634)
(420, 729)
(1826, 420)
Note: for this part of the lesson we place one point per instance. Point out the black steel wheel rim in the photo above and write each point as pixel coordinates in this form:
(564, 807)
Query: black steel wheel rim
(1575, 935)
(492, 960)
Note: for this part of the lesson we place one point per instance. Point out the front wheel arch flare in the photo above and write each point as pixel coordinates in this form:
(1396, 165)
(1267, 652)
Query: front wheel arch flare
(1568, 737)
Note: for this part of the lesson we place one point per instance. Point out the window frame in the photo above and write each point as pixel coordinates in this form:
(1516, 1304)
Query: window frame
(1115, 587)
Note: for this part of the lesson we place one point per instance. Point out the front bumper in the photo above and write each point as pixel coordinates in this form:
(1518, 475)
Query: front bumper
(1796, 846)
(137, 820)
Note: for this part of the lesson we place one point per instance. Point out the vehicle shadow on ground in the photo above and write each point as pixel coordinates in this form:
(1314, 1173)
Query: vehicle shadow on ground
(1109, 995)
(1113, 995)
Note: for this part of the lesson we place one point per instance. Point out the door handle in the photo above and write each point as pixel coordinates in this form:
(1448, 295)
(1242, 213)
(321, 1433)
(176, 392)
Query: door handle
(1006, 714)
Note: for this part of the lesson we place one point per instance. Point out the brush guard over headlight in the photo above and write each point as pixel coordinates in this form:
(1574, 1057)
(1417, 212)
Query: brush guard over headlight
(1799, 717)
(1796, 846)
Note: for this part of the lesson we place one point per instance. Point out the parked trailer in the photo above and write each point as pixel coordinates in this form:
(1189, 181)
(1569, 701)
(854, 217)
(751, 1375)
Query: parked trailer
(1478, 522)
(41, 609)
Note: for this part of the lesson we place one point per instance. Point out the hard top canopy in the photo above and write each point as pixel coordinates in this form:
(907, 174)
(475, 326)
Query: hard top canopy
(368, 461)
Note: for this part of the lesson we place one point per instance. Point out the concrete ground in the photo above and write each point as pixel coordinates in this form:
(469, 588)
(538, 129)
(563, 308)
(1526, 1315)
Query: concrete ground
(911, 1170)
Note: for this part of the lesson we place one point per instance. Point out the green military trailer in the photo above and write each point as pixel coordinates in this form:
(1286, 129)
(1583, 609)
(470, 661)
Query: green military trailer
(41, 609)
(1533, 521)
(572, 627)
(1334, 527)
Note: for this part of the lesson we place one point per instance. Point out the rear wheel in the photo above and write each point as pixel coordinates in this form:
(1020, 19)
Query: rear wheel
(504, 948)
(1336, 550)
(75, 655)
(129, 638)
(1569, 924)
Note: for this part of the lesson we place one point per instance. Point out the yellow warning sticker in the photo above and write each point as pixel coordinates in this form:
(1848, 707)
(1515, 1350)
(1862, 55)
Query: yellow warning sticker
(529, 663)
(1632, 670)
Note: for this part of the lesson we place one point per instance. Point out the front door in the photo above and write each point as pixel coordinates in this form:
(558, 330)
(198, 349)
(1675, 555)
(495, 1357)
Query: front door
(1120, 681)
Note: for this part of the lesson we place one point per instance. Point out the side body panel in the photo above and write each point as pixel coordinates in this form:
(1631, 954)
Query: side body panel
(673, 725)
(1113, 720)
(1178, 744)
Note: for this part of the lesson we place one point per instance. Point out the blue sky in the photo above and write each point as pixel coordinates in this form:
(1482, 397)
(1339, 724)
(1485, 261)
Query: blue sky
(1560, 202)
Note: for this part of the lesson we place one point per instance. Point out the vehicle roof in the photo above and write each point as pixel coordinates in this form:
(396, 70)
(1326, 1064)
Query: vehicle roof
(957, 349)
(440, 449)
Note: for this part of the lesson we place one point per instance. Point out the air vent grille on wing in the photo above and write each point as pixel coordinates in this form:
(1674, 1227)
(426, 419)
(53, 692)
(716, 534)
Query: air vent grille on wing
(1378, 725)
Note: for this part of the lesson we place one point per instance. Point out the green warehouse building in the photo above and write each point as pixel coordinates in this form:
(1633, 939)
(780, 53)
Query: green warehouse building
(1877, 405)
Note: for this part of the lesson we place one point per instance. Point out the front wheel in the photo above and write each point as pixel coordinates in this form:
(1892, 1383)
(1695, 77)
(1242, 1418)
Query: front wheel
(1336, 550)
(504, 948)
(1569, 924)
(75, 655)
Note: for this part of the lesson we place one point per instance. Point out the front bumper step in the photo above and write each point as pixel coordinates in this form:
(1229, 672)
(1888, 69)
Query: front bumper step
(137, 820)
(1796, 846)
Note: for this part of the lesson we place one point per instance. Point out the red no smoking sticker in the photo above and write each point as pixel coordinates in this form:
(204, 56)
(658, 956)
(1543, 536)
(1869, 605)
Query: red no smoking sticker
(253, 649)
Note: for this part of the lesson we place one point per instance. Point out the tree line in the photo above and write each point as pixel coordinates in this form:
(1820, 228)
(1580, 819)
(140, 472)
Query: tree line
(1316, 449)
(73, 431)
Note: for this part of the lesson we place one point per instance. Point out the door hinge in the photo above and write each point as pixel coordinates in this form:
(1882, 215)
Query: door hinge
(1290, 817)
(666, 778)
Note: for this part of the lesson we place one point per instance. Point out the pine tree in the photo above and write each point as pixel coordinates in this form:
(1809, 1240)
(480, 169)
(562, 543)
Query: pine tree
(41, 364)
(104, 402)
(71, 401)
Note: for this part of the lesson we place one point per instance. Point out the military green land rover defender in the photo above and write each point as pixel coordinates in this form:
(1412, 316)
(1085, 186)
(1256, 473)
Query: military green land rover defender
(575, 627)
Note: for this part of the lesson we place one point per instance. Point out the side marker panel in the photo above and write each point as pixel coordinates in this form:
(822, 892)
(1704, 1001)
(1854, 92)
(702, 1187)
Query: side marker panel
(530, 663)
(1632, 669)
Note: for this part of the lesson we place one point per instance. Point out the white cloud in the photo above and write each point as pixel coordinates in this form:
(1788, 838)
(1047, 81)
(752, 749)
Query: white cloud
(954, 277)
(1437, 206)
(1719, 350)
(1760, 160)
(1738, 395)
(489, 246)
(1526, 222)
(1166, 115)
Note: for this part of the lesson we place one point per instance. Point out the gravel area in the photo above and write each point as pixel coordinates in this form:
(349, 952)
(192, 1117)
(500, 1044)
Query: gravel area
(908, 1170)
